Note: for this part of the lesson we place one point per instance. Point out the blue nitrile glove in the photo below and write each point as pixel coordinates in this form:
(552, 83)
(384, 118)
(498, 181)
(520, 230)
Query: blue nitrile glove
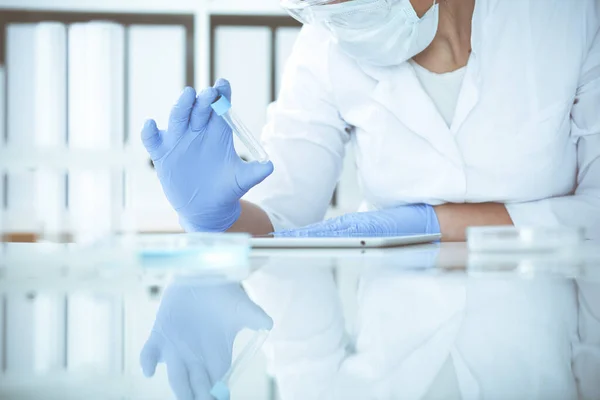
(194, 332)
(400, 221)
(199, 170)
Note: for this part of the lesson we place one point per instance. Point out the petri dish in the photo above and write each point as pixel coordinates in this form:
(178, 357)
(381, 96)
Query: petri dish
(193, 250)
(523, 239)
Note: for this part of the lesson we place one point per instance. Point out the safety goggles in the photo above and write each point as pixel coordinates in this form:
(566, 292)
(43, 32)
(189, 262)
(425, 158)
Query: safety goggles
(357, 14)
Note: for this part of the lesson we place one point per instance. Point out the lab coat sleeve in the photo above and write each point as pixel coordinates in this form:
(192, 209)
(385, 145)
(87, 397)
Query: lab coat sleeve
(305, 138)
(582, 209)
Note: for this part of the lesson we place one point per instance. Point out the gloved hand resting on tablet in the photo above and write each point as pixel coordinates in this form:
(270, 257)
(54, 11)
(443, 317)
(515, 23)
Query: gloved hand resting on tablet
(417, 219)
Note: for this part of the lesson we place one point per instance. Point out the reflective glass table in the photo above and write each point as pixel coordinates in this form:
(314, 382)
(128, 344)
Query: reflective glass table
(419, 322)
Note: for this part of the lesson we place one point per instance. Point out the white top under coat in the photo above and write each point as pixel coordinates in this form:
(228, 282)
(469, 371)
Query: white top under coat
(525, 132)
(442, 89)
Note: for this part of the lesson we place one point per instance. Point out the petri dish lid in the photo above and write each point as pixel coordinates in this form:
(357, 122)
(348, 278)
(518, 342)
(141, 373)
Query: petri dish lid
(518, 239)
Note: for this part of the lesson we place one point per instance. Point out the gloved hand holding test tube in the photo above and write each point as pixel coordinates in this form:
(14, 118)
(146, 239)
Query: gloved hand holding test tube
(196, 154)
(222, 107)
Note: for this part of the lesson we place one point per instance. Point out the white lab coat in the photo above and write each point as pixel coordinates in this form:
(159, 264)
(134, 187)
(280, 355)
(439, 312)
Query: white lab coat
(526, 131)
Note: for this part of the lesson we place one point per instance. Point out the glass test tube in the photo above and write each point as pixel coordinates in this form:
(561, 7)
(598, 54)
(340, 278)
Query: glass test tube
(222, 107)
(220, 390)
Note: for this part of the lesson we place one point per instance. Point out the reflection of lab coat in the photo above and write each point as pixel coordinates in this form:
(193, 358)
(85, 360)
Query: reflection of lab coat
(516, 338)
(586, 352)
(308, 339)
(526, 129)
(423, 336)
(502, 338)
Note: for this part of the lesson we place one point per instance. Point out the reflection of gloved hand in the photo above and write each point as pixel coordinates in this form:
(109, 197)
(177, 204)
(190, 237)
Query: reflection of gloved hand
(194, 332)
(199, 170)
(405, 220)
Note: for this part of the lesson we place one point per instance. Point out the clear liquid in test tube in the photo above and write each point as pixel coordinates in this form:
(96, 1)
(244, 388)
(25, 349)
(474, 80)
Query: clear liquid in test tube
(222, 107)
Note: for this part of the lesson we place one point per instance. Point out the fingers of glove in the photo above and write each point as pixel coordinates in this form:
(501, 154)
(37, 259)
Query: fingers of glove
(202, 109)
(345, 233)
(313, 233)
(251, 174)
(199, 382)
(151, 137)
(180, 113)
(371, 224)
(224, 88)
(252, 316)
(150, 356)
(179, 378)
(320, 229)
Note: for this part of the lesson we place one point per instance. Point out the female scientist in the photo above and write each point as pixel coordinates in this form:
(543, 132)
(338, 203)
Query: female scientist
(461, 113)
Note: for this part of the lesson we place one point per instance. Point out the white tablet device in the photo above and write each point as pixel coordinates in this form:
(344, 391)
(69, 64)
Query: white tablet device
(345, 242)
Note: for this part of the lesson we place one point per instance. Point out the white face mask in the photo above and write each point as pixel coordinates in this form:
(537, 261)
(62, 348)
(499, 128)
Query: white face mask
(377, 36)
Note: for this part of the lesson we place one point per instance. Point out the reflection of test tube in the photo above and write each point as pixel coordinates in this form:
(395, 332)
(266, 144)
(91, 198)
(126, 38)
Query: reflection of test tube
(222, 107)
(220, 390)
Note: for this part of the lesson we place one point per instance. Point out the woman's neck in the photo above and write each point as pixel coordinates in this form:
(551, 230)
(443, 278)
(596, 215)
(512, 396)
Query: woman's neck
(451, 46)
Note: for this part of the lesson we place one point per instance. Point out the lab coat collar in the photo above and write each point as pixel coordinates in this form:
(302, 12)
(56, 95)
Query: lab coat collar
(413, 107)
(469, 93)
(480, 14)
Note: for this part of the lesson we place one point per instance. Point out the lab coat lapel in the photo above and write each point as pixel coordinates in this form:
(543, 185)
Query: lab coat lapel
(468, 97)
(400, 92)
(469, 94)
